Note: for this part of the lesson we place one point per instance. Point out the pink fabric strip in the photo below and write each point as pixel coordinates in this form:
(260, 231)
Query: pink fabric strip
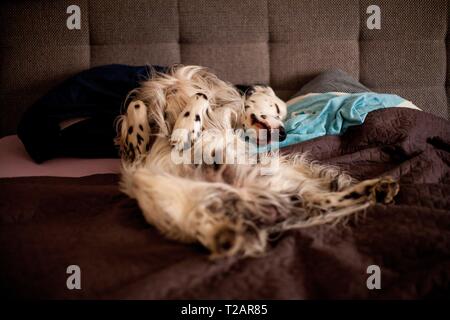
(15, 162)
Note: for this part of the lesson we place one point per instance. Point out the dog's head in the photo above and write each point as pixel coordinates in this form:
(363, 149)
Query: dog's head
(264, 110)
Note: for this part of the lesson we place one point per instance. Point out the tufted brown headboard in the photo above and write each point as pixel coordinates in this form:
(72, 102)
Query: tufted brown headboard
(280, 42)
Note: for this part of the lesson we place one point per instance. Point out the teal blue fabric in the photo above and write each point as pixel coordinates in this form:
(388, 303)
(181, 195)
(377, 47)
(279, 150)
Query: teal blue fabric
(331, 114)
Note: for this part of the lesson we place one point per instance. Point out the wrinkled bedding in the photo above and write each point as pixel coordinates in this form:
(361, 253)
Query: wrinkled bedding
(49, 223)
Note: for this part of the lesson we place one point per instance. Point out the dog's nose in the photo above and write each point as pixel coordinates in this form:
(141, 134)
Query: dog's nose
(282, 134)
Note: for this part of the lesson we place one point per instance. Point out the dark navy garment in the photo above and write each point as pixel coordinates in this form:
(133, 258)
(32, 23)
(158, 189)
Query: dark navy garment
(97, 94)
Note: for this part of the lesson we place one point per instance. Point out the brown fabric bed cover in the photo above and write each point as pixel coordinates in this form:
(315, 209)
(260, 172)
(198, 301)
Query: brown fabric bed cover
(48, 224)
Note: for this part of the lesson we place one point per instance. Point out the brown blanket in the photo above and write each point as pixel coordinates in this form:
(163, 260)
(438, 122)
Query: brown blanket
(47, 224)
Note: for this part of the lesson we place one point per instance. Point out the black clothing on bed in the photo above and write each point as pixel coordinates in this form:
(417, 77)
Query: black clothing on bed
(95, 97)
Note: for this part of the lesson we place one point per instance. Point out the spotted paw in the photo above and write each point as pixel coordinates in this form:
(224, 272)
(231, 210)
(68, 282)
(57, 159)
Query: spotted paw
(385, 190)
(188, 127)
(136, 130)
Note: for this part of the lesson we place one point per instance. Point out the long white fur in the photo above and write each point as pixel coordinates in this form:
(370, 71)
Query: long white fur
(229, 208)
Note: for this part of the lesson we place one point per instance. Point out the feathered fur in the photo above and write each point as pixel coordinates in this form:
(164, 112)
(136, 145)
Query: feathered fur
(232, 207)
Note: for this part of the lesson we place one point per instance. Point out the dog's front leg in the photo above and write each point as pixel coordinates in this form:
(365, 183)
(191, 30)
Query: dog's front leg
(189, 124)
(134, 134)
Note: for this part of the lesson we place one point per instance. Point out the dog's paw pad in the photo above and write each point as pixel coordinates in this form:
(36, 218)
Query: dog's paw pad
(226, 242)
(385, 190)
(188, 127)
(180, 139)
(136, 130)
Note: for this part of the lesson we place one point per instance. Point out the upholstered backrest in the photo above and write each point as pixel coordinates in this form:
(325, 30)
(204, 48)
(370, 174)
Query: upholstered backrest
(283, 43)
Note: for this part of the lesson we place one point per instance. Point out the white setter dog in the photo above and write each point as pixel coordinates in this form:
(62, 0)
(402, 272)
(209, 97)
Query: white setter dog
(184, 142)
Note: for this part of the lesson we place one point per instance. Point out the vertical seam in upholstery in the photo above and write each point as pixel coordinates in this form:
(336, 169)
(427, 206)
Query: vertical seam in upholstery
(89, 32)
(359, 39)
(269, 43)
(179, 31)
(446, 82)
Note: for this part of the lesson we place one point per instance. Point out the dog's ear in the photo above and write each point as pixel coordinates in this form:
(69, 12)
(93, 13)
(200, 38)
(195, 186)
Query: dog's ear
(250, 91)
(243, 89)
(264, 88)
(247, 91)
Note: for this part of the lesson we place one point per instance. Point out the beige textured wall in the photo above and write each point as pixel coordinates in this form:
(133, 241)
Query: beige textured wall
(284, 43)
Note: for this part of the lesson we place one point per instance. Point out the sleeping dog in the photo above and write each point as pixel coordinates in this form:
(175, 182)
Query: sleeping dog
(229, 207)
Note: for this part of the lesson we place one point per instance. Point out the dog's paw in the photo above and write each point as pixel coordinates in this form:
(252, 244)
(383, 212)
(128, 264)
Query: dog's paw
(185, 136)
(226, 242)
(379, 190)
(385, 190)
(136, 130)
(181, 139)
(189, 125)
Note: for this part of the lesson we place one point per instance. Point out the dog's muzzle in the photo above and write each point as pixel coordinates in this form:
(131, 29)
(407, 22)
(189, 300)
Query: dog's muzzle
(269, 127)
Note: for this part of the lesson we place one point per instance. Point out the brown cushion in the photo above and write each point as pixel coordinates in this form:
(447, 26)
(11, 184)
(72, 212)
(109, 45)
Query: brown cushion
(334, 80)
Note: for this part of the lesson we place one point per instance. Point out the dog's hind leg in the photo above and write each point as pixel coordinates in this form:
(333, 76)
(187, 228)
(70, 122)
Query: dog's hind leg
(379, 190)
(330, 178)
(191, 211)
(330, 207)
